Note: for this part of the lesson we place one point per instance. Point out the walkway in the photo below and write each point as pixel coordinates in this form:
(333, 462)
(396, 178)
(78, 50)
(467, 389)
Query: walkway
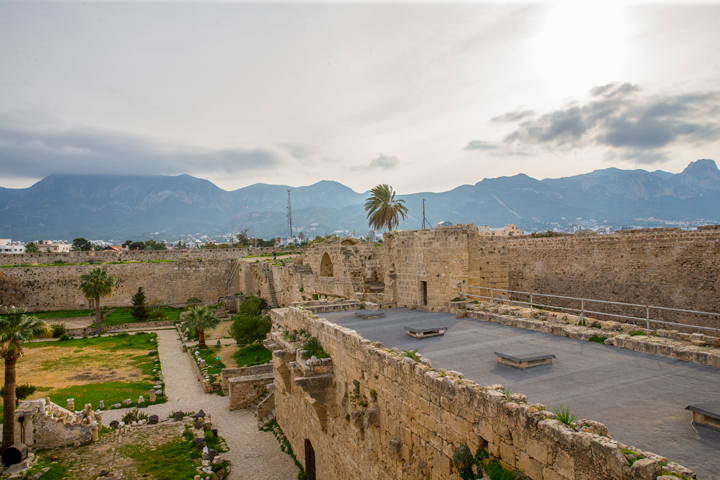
(254, 454)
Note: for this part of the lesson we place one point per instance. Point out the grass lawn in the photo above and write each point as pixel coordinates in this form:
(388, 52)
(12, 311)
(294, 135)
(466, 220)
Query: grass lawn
(111, 369)
(124, 315)
(252, 355)
(62, 313)
(209, 355)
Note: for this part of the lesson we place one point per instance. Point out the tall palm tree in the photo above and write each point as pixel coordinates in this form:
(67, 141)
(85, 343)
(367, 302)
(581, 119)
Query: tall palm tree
(16, 328)
(95, 284)
(382, 208)
(201, 319)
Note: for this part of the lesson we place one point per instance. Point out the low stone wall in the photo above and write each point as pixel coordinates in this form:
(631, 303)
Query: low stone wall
(47, 425)
(323, 306)
(246, 389)
(81, 332)
(227, 373)
(113, 256)
(372, 413)
(695, 348)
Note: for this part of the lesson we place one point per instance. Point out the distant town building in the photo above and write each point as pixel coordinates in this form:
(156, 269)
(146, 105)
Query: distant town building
(51, 246)
(509, 230)
(10, 247)
(371, 237)
(116, 248)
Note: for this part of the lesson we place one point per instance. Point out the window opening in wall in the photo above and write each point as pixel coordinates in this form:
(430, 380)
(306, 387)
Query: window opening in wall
(309, 460)
(326, 266)
(423, 294)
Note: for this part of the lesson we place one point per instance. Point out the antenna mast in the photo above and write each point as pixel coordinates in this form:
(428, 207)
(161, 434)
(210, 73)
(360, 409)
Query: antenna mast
(289, 216)
(424, 220)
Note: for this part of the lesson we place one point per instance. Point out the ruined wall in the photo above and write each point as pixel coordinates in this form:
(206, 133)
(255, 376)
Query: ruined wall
(47, 425)
(442, 258)
(662, 267)
(131, 256)
(371, 413)
(57, 287)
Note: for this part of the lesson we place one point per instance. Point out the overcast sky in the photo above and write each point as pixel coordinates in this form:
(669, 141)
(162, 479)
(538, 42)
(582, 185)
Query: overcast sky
(422, 96)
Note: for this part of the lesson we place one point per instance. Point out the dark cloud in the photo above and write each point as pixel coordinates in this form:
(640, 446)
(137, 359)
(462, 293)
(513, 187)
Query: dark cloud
(382, 162)
(512, 117)
(36, 153)
(480, 145)
(622, 116)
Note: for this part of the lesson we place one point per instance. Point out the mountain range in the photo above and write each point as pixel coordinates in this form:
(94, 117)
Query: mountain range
(134, 207)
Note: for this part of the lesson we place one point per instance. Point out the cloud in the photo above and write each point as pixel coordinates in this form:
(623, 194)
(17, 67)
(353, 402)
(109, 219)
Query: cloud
(382, 162)
(512, 117)
(480, 145)
(297, 150)
(27, 152)
(623, 117)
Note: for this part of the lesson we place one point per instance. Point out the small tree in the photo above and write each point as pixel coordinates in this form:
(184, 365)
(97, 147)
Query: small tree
(250, 325)
(81, 244)
(32, 248)
(201, 319)
(95, 284)
(140, 310)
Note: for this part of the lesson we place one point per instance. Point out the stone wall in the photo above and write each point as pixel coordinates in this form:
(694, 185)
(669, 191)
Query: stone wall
(131, 256)
(57, 287)
(370, 413)
(661, 267)
(47, 425)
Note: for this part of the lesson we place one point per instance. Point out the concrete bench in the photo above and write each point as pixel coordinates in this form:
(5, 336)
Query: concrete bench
(369, 314)
(524, 358)
(425, 332)
(706, 414)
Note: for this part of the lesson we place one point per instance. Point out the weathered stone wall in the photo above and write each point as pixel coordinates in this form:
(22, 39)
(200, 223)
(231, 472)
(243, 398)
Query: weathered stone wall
(131, 256)
(370, 413)
(662, 267)
(47, 425)
(57, 287)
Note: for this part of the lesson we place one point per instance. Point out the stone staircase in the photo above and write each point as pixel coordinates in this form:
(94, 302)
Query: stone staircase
(271, 286)
(264, 408)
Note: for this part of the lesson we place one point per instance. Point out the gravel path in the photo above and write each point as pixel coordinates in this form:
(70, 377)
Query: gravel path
(254, 454)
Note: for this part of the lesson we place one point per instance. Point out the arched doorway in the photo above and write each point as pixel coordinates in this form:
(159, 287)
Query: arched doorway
(326, 266)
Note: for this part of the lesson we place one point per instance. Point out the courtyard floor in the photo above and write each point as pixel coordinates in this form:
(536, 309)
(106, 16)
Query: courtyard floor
(640, 397)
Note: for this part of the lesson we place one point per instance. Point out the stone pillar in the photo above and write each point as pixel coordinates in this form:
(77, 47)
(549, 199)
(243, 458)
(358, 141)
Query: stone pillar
(151, 396)
(71, 404)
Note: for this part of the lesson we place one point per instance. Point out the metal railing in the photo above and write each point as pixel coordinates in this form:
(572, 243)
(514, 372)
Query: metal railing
(501, 295)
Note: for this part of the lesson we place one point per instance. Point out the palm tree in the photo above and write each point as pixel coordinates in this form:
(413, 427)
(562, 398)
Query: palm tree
(95, 284)
(16, 328)
(201, 319)
(382, 208)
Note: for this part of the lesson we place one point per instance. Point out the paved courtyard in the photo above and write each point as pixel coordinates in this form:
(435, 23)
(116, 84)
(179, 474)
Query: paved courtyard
(254, 454)
(641, 398)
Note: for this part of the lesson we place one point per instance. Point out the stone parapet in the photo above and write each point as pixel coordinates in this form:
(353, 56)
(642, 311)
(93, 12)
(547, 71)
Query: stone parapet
(243, 391)
(43, 424)
(378, 414)
(228, 373)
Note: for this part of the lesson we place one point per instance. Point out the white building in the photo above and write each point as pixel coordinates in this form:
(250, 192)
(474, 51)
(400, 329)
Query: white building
(10, 247)
(52, 246)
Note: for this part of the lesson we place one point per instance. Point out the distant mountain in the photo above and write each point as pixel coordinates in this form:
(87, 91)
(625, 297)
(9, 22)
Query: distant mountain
(133, 207)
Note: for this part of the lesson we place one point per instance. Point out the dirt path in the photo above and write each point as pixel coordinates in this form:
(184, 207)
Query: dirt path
(254, 454)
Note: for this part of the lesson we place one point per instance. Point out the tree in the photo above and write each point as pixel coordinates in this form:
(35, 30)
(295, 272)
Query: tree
(127, 243)
(16, 328)
(201, 319)
(140, 310)
(243, 239)
(153, 245)
(95, 284)
(81, 244)
(250, 325)
(137, 246)
(32, 248)
(382, 208)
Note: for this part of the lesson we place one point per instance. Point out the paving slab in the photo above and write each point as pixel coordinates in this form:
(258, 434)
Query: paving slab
(640, 397)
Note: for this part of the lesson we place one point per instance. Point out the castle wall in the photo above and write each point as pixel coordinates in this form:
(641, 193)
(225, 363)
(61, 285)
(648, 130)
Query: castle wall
(370, 413)
(57, 287)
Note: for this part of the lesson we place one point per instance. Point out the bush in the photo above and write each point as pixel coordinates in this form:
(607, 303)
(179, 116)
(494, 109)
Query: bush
(22, 391)
(313, 348)
(315, 296)
(564, 415)
(496, 472)
(64, 337)
(58, 330)
(134, 416)
(250, 325)
(598, 339)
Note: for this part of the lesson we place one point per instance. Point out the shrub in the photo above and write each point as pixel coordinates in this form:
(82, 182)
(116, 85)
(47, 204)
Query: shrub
(496, 472)
(134, 416)
(457, 299)
(22, 391)
(564, 415)
(373, 393)
(63, 337)
(58, 330)
(315, 296)
(597, 339)
(313, 348)
(412, 354)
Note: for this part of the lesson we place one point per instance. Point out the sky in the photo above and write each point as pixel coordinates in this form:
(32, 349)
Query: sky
(422, 96)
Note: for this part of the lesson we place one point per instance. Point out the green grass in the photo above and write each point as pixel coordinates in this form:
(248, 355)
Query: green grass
(110, 393)
(252, 355)
(124, 315)
(170, 461)
(564, 415)
(62, 313)
(597, 339)
(209, 354)
(57, 470)
(637, 332)
(121, 341)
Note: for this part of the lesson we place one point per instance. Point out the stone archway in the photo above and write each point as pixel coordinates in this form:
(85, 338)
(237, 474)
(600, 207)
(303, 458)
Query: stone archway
(326, 266)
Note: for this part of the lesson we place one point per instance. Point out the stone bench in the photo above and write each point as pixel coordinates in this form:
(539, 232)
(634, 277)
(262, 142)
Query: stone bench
(369, 314)
(421, 333)
(706, 414)
(524, 358)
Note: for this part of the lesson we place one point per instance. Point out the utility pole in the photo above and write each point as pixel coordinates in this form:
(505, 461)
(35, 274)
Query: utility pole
(289, 215)
(424, 220)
